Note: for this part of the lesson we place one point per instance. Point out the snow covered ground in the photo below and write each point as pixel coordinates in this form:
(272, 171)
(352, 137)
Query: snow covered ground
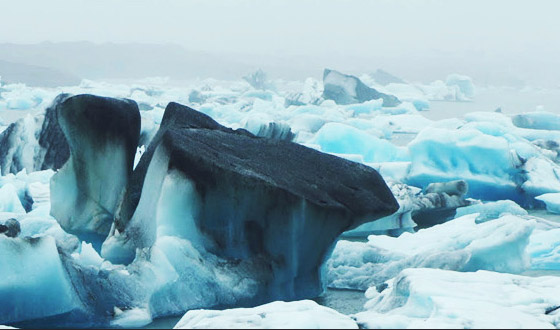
(461, 273)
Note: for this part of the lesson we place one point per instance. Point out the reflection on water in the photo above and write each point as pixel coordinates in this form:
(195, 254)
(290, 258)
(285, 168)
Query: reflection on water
(344, 301)
(163, 323)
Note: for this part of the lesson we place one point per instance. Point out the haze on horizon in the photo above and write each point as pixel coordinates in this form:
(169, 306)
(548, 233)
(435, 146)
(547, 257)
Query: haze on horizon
(493, 41)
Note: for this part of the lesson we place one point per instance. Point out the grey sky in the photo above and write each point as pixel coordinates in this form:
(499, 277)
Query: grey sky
(513, 34)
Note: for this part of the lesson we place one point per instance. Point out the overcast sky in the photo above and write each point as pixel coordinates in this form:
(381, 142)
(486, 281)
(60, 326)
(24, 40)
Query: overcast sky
(513, 34)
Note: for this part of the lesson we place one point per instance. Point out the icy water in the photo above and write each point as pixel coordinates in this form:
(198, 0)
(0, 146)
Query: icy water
(511, 101)
(344, 301)
(545, 215)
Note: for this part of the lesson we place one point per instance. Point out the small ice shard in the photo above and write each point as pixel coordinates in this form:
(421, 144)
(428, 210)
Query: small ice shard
(304, 314)
(103, 136)
(463, 83)
(540, 120)
(346, 89)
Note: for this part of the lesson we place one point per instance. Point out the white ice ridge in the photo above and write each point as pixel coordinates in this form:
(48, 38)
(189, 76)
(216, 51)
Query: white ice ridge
(303, 314)
(552, 201)
(434, 298)
(461, 244)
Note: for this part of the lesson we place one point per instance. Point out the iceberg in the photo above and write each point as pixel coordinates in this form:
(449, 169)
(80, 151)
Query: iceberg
(544, 249)
(312, 93)
(304, 314)
(346, 89)
(9, 200)
(434, 298)
(464, 84)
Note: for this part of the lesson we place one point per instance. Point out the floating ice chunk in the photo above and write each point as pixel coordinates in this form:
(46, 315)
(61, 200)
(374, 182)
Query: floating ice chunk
(307, 122)
(544, 249)
(311, 94)
(542, 176)
(492, 210)
(18, 145)
(465, 84)
(408, 123)
(460, 244)
(258, 80)
(346, 89)
(131, 318)
(496, 166)
(434, 298)
(303, 314)
(552, 201)
(9, 200)
(540, 120)
(366, 108)
(344, 139)
(139, 152)
(33, 282)
(88, 256)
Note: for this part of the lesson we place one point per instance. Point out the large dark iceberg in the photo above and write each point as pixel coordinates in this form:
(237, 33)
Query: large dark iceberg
(243, 197)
